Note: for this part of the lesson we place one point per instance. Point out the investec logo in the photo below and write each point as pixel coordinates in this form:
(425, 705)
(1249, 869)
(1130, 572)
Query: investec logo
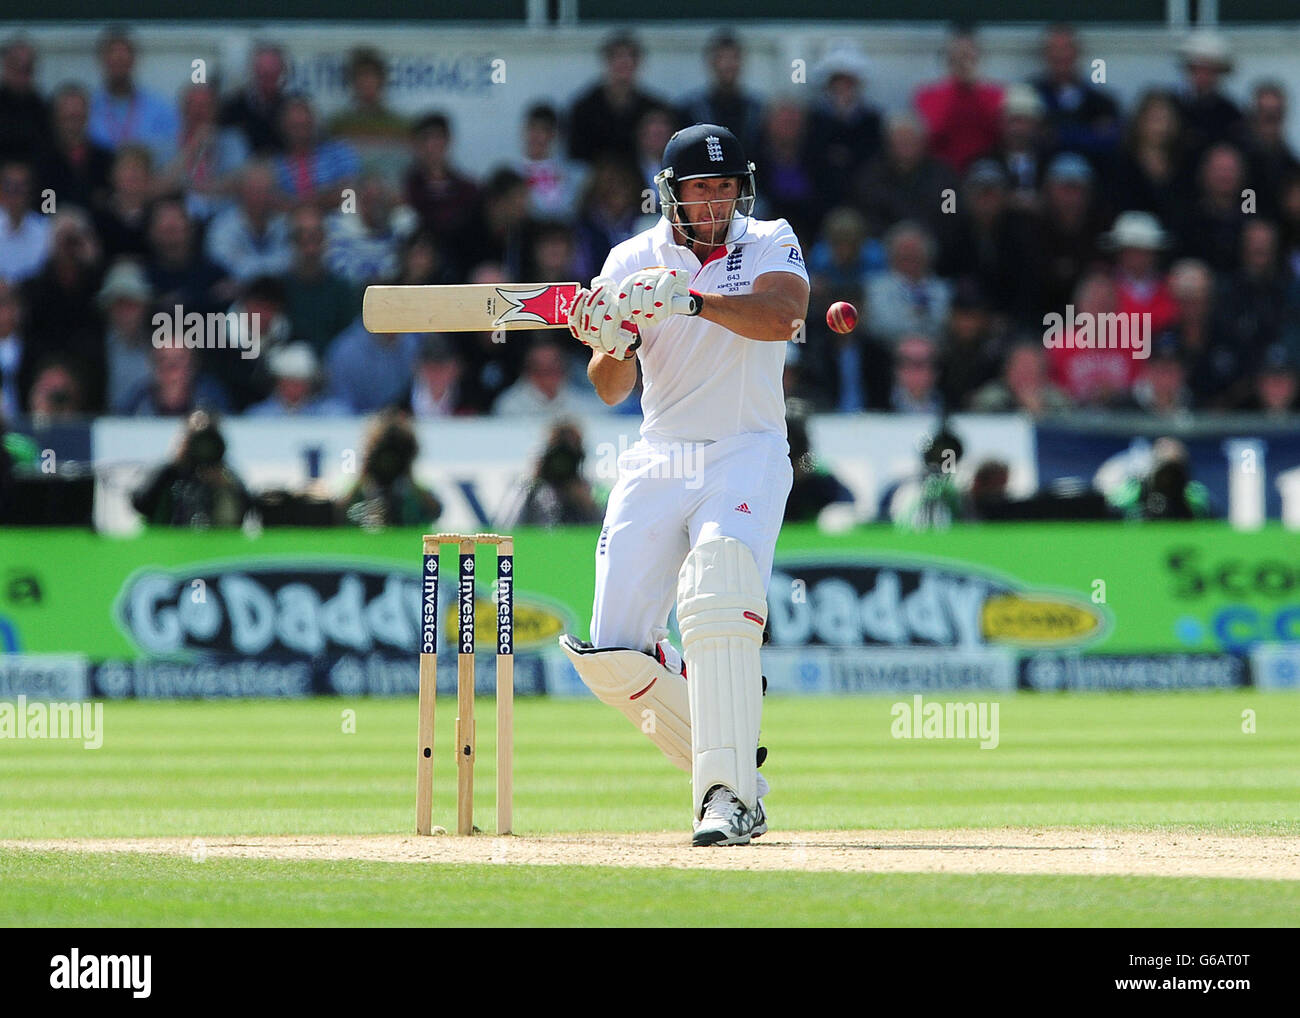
(429, 606)
(505, 599)
(467, 604)
(75, 971)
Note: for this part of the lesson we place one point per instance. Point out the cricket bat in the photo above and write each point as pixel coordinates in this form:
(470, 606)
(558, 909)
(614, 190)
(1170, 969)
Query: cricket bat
(478, 307)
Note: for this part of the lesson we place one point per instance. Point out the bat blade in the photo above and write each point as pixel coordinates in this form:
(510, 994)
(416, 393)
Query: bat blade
(481, 307)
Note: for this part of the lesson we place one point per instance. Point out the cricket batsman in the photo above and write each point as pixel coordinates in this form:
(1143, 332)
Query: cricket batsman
(706, 299)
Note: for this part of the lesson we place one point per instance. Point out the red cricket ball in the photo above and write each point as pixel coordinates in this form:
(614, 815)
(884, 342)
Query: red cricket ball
(842, 316)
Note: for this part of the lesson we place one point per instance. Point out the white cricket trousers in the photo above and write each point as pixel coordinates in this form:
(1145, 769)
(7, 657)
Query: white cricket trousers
(670, 497)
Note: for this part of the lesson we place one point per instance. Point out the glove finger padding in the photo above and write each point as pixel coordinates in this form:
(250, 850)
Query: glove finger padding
(591, 309)
(647, 295)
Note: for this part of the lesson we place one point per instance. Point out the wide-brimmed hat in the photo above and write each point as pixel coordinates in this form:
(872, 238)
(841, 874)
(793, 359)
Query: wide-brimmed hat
(296, 360)
(1206, 47)
(127, 280)
(1135, 229)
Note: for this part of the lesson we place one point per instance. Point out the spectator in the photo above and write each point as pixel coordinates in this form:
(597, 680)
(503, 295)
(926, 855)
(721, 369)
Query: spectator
(295, 375)
(972, 346)
(789, 191)
(1209, 116)
(312, 169)
(557, 493)
(1023, 148)
(611, 213)
(1271, 160)
(438, 390)
(1161, 387)
(916, 377)
(258, 327)
(1152, 171)
(1079, 117)
(1276, 392)
(370, 371)
(603, 120)
(16, 355)
(443, 198)
(904, 181)
(1064, 244)
(176, 387)
(1211, 231)
(1289, 224)
(908, 297)
(961, 112)
(24, 233)
(1024, 386)
(491, 367)
(63, 317)
(505, 232)
(990, 243)
(58, 394)
(652, 134)
(255, 110)
(1166, 492)
(1137, 240)
(365, 246)
(178, 271)
(197, 489)
(422, 263)
(125, 300)
(121, 112)
(838, 369)
(1215, 365)
(544, 388)
(387, 493)
(814, 486)
(724, 100)
(1093, 374)
(554, 254)
(251, 238)
(123, 220)
(72, 166)
(843, 129)
(554, 182)
(369, 125)
(1253, 299)
(24, 117)
(209, 157)
(319, 304)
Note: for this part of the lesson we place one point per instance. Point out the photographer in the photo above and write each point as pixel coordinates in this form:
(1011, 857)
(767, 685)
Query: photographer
(197, 489)
(557, 493)
(387, 494)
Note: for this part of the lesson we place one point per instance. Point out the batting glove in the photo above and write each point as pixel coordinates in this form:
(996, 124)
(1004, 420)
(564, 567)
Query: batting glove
(651, 295)
(596, 321)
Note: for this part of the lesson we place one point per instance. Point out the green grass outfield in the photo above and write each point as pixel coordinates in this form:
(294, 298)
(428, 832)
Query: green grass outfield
(289, 767)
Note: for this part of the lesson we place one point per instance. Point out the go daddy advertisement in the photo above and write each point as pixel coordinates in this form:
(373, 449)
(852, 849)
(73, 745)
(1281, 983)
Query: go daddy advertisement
(289, 613)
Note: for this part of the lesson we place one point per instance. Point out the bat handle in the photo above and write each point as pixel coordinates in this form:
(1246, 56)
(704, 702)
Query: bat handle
(692, 304)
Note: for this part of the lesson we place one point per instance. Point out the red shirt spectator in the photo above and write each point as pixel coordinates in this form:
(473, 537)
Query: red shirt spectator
(963, 114)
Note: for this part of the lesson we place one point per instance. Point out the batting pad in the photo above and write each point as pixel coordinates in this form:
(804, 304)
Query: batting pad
(721, 609)
(649, 695)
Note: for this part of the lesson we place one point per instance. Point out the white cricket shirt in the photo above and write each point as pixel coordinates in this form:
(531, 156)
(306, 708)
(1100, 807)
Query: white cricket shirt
(703, 382)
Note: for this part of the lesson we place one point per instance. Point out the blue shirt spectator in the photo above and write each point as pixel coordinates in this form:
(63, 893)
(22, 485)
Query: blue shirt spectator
(121, 111)
(368, 372)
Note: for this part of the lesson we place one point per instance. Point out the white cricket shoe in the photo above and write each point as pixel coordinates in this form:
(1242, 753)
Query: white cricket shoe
(726, 820)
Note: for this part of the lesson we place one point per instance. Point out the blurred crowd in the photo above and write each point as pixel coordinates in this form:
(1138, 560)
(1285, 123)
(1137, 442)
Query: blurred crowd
(955, 225)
